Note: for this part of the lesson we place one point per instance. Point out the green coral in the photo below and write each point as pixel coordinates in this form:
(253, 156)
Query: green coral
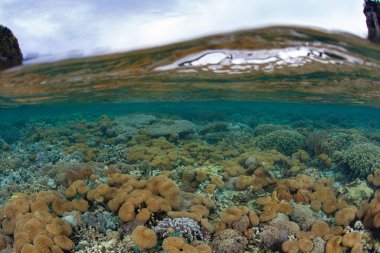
(340, 142)
(284, 141)
(357, 192)
(265, 129)
(361, 159)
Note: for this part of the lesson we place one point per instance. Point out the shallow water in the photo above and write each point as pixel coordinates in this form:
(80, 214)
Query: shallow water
(274, 159)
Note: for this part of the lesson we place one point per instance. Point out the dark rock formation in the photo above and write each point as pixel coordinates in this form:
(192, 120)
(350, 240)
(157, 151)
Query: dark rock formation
(372, 13)
(10, 53)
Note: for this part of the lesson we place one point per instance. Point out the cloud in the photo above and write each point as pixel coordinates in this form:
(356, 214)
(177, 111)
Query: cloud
(59, 27)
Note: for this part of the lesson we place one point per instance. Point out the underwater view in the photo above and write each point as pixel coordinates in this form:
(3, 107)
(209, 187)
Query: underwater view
(262, 140)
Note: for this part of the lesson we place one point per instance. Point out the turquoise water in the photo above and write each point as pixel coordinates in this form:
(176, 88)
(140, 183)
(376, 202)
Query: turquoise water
(45, 148)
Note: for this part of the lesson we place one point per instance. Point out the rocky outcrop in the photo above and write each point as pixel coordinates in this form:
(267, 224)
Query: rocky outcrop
(10, 53)
(372, 13)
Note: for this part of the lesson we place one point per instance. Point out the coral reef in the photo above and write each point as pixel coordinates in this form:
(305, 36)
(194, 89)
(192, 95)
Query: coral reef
(228, 241)
(361, 159)
(101, 220)
(185, 227)
(284, 141)
(109, 185)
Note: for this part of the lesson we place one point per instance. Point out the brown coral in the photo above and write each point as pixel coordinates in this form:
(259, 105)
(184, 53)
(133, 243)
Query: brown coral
(345, 216)
(350, 239)
(63, 242)
(80, 205)
(290, 246)
(333, 245)
(177, 244)
(3, 242)
(374, 178)
(320, 228)
(305, 245)
(77, 187)
(357, 248)
(144, 238)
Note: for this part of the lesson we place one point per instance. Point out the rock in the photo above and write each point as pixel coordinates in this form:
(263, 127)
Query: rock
(10, 53)
(251, 162)
(167, 127)
(372, 14)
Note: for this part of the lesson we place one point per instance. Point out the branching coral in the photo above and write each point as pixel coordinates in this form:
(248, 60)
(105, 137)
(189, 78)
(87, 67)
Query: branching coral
(186, 227)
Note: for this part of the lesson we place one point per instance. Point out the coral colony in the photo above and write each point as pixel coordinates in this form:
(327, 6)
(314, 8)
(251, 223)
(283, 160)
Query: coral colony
(140, 183)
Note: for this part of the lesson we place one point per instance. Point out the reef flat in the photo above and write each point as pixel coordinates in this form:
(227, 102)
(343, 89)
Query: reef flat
(190, 177)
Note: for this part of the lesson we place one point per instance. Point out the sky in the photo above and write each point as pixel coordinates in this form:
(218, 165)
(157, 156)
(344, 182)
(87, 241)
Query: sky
(69, 28)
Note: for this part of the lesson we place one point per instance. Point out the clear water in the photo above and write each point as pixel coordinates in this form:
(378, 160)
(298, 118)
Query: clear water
(256, 135)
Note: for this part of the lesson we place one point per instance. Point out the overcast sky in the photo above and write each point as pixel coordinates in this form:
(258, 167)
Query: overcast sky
(99, 26)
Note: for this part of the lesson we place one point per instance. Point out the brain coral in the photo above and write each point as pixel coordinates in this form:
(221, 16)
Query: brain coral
(284, 141)
(303, 215)
(228, 241)
(278, 231)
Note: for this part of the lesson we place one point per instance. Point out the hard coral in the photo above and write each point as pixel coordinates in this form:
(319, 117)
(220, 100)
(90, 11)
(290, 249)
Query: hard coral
(188, 228)
(228, 241)
(303, 215)
(361, 159)
(284, 141)
(278, 231)
(265, 129)
(272, 237)
(318, 245)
